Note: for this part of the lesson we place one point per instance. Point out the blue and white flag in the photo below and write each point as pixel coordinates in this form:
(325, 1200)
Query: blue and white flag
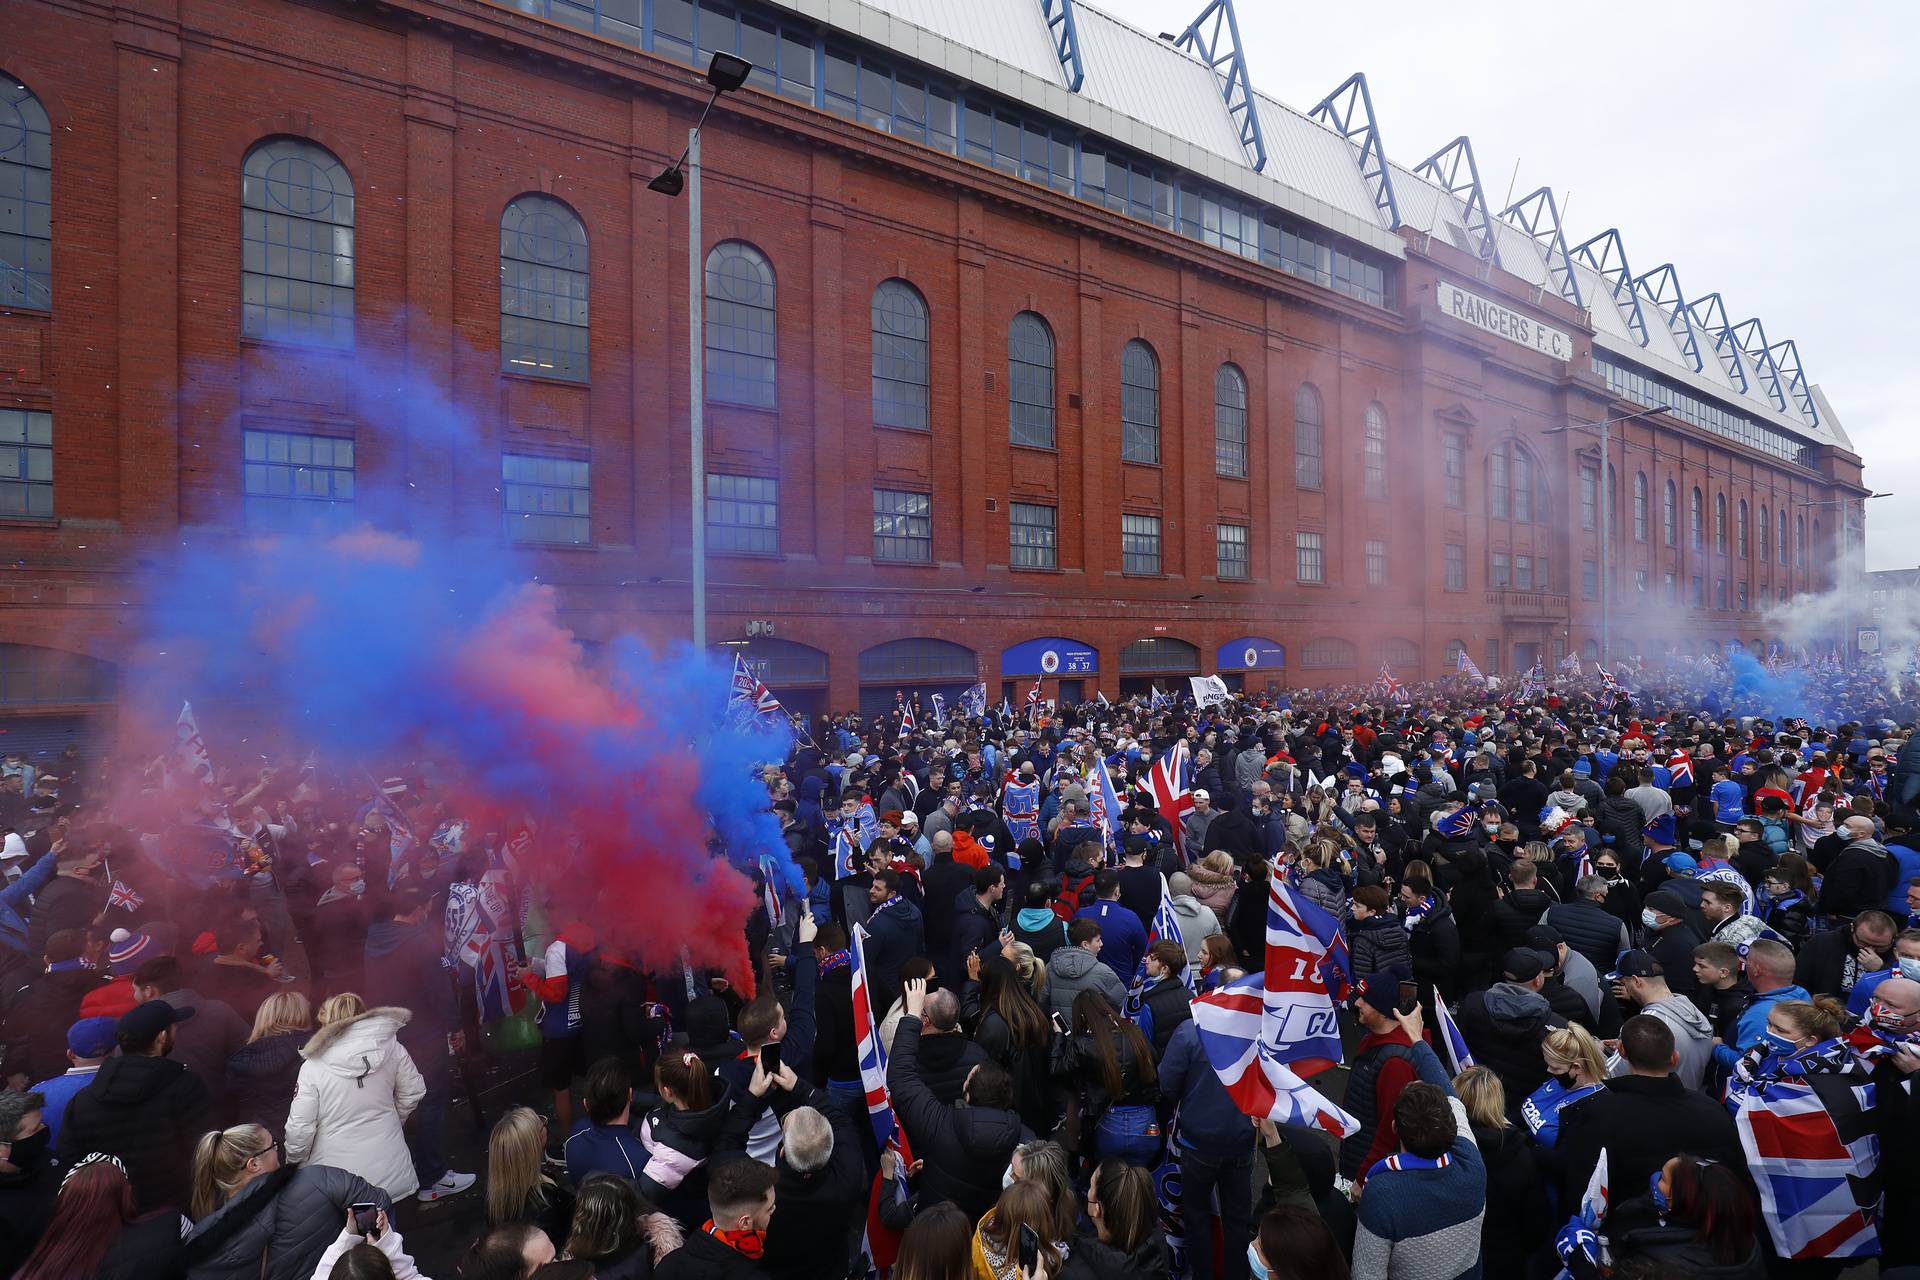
(974, 701)
(939, 710)
(1243, 1037)
(1020, 806)
(1451, 1041)
(1104, 803)
(1166, 924)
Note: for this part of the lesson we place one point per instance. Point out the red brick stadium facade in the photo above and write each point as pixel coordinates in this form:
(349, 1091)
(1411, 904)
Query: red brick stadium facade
(441, 112)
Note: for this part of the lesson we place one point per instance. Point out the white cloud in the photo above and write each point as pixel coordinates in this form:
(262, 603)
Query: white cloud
(1767, 157)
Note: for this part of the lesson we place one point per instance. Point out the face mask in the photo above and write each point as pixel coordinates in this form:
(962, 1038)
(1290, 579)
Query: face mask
(1648, 918)
(1659, 1197)
(1910, 969)
(1777, 1043)
(1491, 828)
(1609, 873)
(1007, 1179)
(357, 887)
(1257, 1268)
(27, 1152)
(1565, 1078)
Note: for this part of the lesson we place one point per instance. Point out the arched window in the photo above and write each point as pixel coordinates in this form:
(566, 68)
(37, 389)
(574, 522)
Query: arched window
(543, 289)
(1456, 649)
(900, 364)
(26, 198)
(1766, 533)
(1326, 652)
(1376, 451)
(32, 676)
(1639, 506)
(296, 231)
(1522, 487)
(1139, 403)
(917, 660)
(1740, 528)
(1590, 650)
(1499, 486)
(742, 348)
(1720, 523)
(1309, 442)
(1670, 515)
(1030, 381)
(1786, 547)
(1157, 654)
(1799, 542)
(1230, 421)
(1395, 652)
(1696, 520)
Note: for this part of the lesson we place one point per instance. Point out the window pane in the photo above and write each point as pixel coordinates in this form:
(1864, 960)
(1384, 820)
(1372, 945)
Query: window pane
(743, 514)
(740, 335)
(296, 483)
(1030, 403)
(1139, 403)
(902, 525)
(900, 356)
(297, 244)
(545, 499)
(1032, 536)
(543, 290)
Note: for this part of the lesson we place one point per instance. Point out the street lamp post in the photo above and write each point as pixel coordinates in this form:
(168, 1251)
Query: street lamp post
(1606, 516)
(725, 73)
(1851, 636)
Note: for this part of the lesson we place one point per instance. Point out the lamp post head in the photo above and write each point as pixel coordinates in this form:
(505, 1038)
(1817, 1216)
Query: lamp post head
(727, 73)
(670, 182)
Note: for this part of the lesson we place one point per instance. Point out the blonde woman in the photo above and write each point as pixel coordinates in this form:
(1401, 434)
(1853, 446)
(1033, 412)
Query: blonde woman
(356, 1089)
(1575, 1068)
(996, 1241)
(518, 1188)
(1518, 1214)
(262, 1072)
(254, 1218)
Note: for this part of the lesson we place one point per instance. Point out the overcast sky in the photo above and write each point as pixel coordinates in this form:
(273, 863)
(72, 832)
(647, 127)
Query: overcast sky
(1768, 157)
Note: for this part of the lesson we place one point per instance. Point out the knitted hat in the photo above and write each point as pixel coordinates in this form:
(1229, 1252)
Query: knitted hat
(1660, 830)
(1668, 903)
(1383, 996)
(128, 951)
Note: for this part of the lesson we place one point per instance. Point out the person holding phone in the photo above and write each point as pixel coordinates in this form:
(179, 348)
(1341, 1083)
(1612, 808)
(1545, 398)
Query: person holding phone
(367, 1243)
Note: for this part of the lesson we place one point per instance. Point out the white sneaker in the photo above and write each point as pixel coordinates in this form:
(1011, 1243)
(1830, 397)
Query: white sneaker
(450, 1185)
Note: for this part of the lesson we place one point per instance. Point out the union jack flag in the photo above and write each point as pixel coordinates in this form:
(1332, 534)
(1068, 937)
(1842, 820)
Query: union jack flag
(1570, 664)
(1241, 1037)
(1392, 688)
(906, 719)
(750, 698)
(1680, 770)
(122, 895)
(1307, 950)
(1813, 1153)
(1170, 783)
(873, 1056)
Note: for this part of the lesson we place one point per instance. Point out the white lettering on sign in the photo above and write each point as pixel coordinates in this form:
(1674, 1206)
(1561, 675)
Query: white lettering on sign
(1503, 322)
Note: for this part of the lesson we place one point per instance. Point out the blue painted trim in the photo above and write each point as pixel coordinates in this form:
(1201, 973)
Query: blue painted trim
(1444, 167)
(1752, 337)
(1219, 47)
(1667, 298)
(1066, 40)
(1349, 109)
(1711, 314)
(1610, 261)
(1538, 214)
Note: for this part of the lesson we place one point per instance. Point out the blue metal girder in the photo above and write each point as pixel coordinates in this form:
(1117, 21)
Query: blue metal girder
(1786, 357)
(1215, 36)
(1349, 109)
(1710, 313)
(1666, 297)
(1066, 40)
(1453, 167)
(1609, 259)
(1539, 216)
(1752, 337)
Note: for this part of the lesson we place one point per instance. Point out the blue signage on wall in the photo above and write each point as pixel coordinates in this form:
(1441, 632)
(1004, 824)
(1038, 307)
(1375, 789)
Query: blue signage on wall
(1051, 656)
(1250, 653)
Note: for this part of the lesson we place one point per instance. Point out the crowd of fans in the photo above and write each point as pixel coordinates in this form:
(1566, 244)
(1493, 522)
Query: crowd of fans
(1641, 918)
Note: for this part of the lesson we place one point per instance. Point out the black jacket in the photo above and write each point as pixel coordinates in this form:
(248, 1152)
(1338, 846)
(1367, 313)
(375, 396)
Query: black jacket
(944, 880)
(1516, 913)
(67, 902)
(1435, 945)
(1641, 1121)
(1620, 822)
(833, 1055)
(38, 1019)
(975, 928)
(1828, 964)
(146, 1249)
(260, 1080)
(1859, 879)
(1092, 1260)
(1379, 944)
(26, 1203)
(1519, 1218)
(704, 1258)
(966, 1149)
(812, 1212)
(1673, 948)
(277, 1226)
(1504, 1026)
(1676, 1250)
(149, 1112)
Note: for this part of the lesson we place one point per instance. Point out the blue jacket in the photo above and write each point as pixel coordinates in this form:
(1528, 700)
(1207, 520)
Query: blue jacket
(1209, 1120)
(1753, 1024)
(1729, 801)
(1123, 939)
(603, 1148)
(13, 924)
(895, 934)
(1905, 857)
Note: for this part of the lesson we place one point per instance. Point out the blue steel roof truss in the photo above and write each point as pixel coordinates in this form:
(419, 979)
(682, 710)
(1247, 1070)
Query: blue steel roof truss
(1349, 109)
(1664, 293)
(1538, 215)
(1066, 40)
(1710, 313)
(1453, 167)
(1215, 36)
(1786, 357)
(1609, 261)
(1752, 337)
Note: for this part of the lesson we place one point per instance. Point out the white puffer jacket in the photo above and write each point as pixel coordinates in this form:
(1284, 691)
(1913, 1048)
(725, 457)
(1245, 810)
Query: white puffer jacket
(357, 1087)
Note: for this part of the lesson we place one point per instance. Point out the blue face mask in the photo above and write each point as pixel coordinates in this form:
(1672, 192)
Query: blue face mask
(1659, 1196)
(1776, 1043)
(1257, 1267)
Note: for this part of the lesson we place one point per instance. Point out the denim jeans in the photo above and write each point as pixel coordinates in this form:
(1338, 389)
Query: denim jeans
(426, 1128)
(1201, 1174)
(1130, 1133)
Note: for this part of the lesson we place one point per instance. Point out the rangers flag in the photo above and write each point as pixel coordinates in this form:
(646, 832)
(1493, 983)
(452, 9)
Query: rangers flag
(1241, 1036)
(1813, 1153)
(873, 1055)
(1170, 783)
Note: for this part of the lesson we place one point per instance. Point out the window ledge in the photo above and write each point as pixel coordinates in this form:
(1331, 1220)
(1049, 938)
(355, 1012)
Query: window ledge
(1050, 449)
(293, 344)
(912, 431)
(1136, 462)
(30, 522)
(552, 546)
(734, 406)
(546, 379)
(1032, 568)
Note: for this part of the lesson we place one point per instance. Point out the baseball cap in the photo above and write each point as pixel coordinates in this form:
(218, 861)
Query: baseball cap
(91, 1037)
(1667, 903)
(1200, 793)
(1522, 964)
(1680, 862)
(1636, 964)
(148, 1020)
(1544, 937)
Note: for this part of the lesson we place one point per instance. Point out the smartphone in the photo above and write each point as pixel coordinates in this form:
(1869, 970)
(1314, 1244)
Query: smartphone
(366, 1219)
(770, 1058)
(1409, 998)
(1029, 1251)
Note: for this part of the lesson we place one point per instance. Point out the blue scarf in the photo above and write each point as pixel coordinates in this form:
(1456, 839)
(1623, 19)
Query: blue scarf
(836, 960)
(1407, 1162)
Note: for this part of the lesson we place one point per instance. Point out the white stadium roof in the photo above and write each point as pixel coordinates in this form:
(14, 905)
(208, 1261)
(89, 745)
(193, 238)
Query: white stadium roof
(1164, 101)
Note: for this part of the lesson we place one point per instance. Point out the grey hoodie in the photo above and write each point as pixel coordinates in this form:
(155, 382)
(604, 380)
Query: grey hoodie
(1692, 1036)
(1072, 970)
(1196, 922)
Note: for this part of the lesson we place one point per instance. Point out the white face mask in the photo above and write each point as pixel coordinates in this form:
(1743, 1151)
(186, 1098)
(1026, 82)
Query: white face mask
(1007, 1179)
(1910, 968)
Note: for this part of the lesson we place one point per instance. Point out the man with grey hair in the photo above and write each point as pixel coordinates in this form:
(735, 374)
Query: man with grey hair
(947, 1056)
(1861, 875)
(820, 1182)
(1587, 926)
(29, 1181)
